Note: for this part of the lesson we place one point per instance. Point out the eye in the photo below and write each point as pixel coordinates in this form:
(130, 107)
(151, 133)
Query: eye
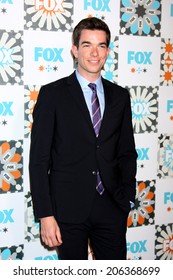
(103, 46)
(86, 45)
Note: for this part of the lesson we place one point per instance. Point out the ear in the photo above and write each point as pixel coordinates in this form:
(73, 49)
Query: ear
(74, 51)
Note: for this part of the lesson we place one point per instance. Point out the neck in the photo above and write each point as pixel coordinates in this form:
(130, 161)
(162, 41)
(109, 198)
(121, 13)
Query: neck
(91, 77)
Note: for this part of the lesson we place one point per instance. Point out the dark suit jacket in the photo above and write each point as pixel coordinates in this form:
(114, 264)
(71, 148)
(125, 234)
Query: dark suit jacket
(65, 153)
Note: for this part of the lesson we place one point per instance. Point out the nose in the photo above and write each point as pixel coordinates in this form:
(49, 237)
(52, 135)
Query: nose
(94, 51)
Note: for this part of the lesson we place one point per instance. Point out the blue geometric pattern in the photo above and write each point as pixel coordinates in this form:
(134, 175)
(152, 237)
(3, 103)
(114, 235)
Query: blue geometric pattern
(140, 17)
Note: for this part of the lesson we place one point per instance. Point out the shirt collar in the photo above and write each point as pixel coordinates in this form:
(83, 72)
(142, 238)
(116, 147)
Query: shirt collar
(84, 82)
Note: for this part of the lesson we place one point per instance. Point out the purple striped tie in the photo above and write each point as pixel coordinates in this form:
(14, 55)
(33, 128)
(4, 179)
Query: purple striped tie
(96, 118)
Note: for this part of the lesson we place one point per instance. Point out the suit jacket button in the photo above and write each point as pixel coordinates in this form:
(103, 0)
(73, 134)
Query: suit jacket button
(94, 172)
(98, 146)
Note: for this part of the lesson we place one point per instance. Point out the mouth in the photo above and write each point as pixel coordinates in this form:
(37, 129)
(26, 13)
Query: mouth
(94, 61)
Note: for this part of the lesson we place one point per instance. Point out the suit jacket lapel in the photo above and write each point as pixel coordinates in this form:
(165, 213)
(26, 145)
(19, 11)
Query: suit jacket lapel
(77, 94)
(108, 102)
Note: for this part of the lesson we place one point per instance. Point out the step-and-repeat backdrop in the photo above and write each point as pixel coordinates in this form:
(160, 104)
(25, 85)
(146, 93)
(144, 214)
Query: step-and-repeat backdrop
(35, 42)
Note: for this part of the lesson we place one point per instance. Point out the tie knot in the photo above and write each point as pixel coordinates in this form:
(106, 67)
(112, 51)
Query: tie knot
(92, 86)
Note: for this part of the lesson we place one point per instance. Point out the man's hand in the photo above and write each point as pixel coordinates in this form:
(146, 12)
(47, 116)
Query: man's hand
(50, 232)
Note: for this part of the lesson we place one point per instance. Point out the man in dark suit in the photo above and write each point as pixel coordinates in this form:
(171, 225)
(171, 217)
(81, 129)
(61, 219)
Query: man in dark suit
(82, 156)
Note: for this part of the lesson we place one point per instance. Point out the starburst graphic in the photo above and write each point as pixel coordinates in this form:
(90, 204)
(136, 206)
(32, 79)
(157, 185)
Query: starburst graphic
(55, 68)
(138, 70)
(169, 209)
(4, 122)
(10, 167)
(31, 94)
(11, 61)
(5, 230)
(110, 69)
(143, 212)
(4, 11)
(164, 241)
(41, 68)
(144, 103)
(140, 17)
(165, 156)
(141, 166)
(48, 68)
(49, 15)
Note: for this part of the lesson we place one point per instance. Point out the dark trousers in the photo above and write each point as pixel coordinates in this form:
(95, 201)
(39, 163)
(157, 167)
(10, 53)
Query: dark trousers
(105, 228)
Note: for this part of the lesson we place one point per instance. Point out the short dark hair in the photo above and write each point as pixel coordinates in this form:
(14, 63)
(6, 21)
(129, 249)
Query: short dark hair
(91, 23)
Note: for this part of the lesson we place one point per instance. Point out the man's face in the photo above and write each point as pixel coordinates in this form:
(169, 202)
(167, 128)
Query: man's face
(91, 53)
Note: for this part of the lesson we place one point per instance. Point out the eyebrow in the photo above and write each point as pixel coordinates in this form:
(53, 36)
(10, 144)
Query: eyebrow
(87, 42)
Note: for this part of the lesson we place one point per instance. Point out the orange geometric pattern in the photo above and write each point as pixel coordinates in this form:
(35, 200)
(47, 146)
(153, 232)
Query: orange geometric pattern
(10, 162)
(143, 213)
(31, 95)
(166, 74)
